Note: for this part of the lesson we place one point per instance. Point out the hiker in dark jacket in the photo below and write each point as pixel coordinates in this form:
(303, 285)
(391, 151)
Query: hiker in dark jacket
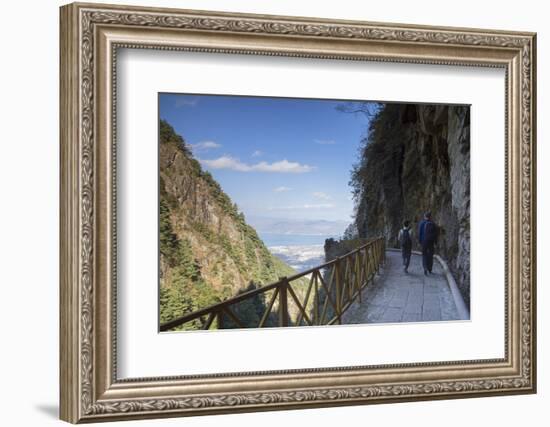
(427, 236)
(405, 241)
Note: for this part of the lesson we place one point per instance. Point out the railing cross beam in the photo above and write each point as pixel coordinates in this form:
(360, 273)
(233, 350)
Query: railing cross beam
(345, 278)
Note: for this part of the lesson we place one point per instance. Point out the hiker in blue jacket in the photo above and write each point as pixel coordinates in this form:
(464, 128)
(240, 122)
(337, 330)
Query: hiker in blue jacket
(405, 241)
(427, 236)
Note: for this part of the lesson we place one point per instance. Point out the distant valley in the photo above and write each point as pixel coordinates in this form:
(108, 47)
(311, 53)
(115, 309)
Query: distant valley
(298, 243)
(300, 258)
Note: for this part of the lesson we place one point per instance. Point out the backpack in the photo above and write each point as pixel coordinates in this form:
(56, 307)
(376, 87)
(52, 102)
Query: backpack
(430, 232)
(405, 238)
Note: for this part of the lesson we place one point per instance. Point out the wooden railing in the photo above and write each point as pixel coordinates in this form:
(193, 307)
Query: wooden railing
(331, 288)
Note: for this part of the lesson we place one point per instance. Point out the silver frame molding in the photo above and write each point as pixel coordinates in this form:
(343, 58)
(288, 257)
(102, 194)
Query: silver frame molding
(90, 37)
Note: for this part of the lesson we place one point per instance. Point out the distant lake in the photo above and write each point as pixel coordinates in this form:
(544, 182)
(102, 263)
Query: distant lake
(274, 239)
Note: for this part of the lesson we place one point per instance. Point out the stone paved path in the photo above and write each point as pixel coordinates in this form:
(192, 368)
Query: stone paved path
(396, 296)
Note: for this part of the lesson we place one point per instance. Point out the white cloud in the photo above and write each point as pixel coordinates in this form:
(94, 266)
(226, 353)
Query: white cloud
(282, 166)
(226, 162)
(205, 145)
(281, 189)
(324, 141)
(257, 153)
(186, 102)
(306, 206)
(321, 195)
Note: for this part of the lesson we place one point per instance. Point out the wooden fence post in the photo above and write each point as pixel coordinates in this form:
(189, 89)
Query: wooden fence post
(219, 317)
(377, 256)
(348, 275)
(358, 275)
(338, 289)
(316, 299)
(283, 302)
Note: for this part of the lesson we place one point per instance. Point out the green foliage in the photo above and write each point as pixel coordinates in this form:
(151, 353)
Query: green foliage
(170, 202)
(350, 232)
(168, 135)
(249, 311)
(184, 289)
(204, 231)
(169, 243)
(174, 303)
(224, 201)
(383, 141)
(377, 174)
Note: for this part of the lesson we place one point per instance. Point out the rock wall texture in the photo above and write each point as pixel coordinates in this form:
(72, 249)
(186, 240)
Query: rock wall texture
(417, 158)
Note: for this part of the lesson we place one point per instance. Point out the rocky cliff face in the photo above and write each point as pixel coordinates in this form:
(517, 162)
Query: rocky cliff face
(337, 248)
(207, 250)
(417, 158)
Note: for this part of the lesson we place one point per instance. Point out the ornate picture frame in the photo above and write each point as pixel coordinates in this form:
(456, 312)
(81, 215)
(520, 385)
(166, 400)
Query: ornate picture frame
(91, 34)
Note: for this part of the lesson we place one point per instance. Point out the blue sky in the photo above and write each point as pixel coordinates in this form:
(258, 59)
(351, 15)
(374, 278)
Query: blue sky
(275, 157)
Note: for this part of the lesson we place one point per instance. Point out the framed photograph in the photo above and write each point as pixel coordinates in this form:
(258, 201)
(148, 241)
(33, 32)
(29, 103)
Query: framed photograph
(267, 212)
